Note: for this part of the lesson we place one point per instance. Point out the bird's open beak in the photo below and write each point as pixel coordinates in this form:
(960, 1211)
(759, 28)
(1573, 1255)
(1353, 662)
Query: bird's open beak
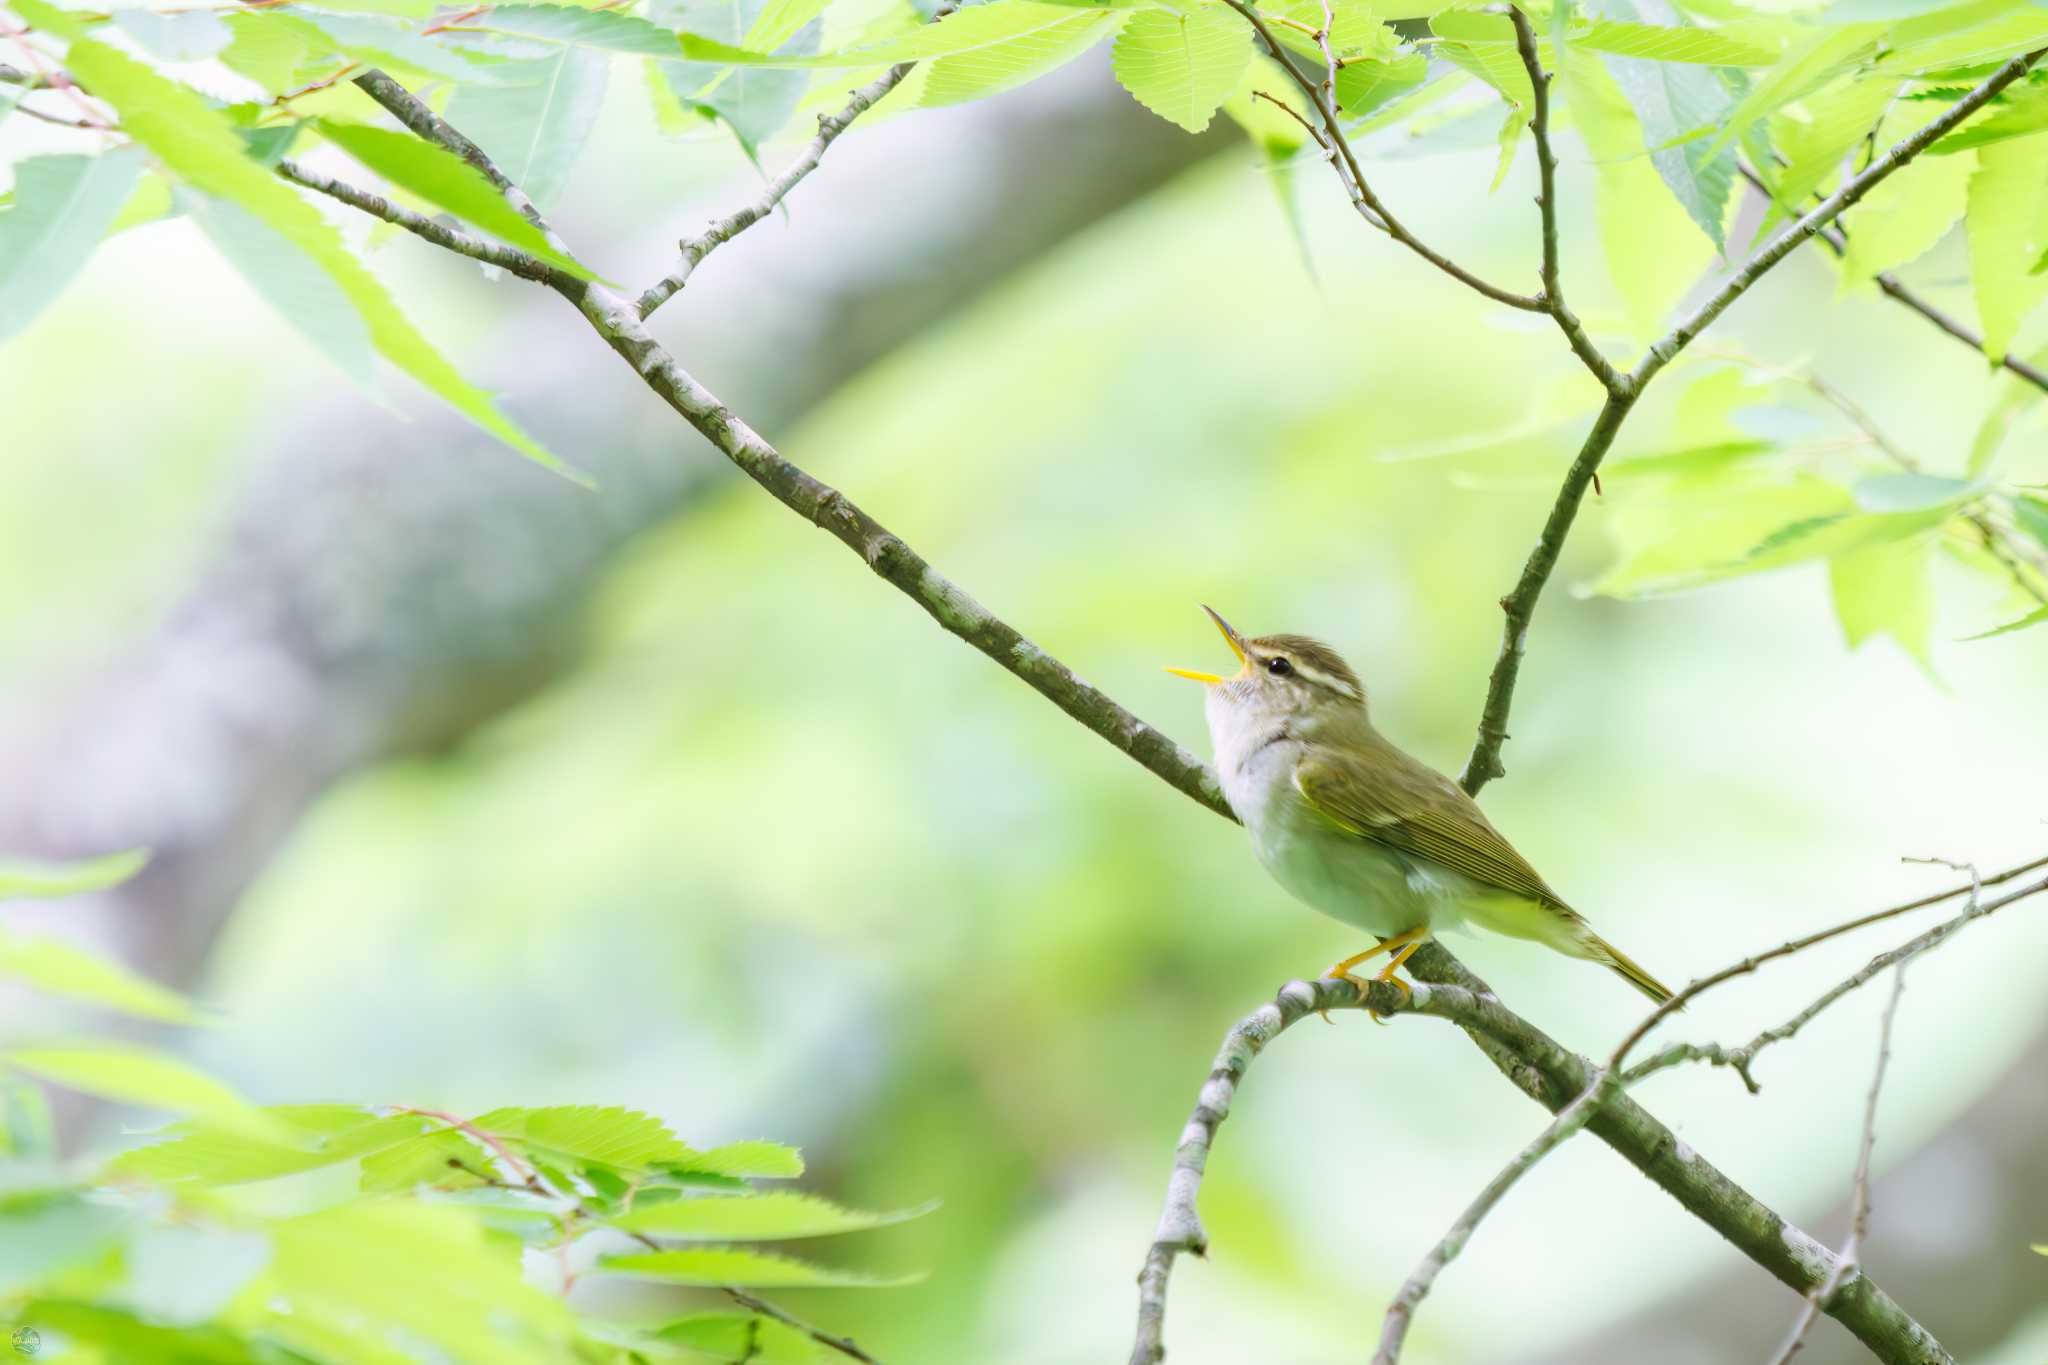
(1230, 637)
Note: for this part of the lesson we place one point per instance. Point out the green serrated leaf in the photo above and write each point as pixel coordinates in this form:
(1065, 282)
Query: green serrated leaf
(1683, 45)
(1484, 45)
(1887, 589)
(63, 206)
(534, 129)
(995, 67)
(61, 969)
(273, 48)
(1651, 254)
(2032, 516)
(755, 102)
(1904, 216)
(47, 881)
(310, 1136)
(447, 181)
(2007, 220)
(2031, 619)
(1182, 66)
(777, 1215)
(141, 1077)
(742, 1337)
(1911, 492)
(771, 1160)
(623, 1138)
(569, 26)
(198, 145)
(191, 36)
(1804, 68)
(291, 282)
(717, 1266)
(1670, 103)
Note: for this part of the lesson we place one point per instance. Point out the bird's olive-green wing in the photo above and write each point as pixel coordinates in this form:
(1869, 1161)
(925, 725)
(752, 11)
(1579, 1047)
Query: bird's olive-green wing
(1391, 799)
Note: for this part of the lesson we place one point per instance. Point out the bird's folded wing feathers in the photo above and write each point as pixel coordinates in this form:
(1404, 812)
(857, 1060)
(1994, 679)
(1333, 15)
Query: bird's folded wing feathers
(1412, 809)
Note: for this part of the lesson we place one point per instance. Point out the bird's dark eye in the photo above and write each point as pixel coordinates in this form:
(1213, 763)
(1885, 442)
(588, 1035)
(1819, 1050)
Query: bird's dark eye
(1278, 666)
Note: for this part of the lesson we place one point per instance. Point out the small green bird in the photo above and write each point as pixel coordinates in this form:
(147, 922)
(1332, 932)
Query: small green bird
(1354, 827)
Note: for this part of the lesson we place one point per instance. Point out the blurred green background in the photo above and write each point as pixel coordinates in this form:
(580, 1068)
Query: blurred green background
(780, 859)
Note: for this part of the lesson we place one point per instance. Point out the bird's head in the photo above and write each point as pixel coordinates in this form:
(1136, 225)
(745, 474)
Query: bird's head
(1279, 676)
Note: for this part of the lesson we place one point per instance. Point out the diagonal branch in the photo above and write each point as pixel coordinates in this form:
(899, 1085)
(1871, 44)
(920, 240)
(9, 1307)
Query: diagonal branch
(618, 321)
(1345, 162)
(1829, 209)
(1837, 241)
(1520, 605)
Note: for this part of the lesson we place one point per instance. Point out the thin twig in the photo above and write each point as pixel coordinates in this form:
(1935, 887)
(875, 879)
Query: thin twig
(1400, 1312)
(723, 230)
(1356, 187)
(1740, 1057)
(1846, 1260)
(1552, 296)
(843, 1345)
(453, 239)
(1610, 1079)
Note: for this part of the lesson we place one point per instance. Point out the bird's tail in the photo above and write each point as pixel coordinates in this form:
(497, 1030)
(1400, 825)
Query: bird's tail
(1607, 954)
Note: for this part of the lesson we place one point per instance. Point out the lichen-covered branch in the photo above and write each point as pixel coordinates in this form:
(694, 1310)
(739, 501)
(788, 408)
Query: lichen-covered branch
(1611, 1078)
(448, 238)
(618, 321)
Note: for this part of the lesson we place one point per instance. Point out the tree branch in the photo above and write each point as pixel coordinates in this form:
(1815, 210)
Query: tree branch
(842, 1345)
(1537, 1064)
(1610, 1079)
(1345, 161)
(453, 239)
(1837, 241)
(1569, 1120)
(1520, 605)
(723, 230)
(618, 321)
(1560, 1080)
(1859, 1218)
(1552, 296)
(1829, 209)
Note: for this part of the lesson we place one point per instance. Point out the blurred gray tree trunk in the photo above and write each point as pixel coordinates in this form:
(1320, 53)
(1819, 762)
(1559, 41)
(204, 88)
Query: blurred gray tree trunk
(381, 587)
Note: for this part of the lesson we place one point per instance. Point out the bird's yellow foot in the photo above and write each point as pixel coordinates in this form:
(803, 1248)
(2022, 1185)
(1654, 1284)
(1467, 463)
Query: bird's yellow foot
(1357, 983)
(1393, 966)
(1387, 975)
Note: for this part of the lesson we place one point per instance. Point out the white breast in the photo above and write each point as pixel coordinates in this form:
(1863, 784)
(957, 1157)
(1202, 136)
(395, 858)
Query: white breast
(1353, 880)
